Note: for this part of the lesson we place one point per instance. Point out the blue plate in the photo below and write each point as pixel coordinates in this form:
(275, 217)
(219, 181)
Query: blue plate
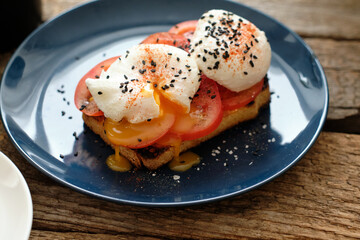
(39, 115)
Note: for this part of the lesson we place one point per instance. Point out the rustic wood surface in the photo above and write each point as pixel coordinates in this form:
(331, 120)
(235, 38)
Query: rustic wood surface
(319, 198)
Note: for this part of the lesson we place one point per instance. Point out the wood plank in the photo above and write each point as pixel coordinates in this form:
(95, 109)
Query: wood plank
(317, 198)
(321, 18)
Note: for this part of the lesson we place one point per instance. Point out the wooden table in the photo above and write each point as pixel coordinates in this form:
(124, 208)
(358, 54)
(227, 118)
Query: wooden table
(318, 198)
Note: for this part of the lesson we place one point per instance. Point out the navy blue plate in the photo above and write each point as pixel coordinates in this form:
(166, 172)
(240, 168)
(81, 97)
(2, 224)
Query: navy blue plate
(39, 115)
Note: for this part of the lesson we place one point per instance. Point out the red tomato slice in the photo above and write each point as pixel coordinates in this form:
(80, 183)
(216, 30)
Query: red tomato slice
(83, 95)
(233, 100)
(171, 39)
(205, 113)
(185, 29)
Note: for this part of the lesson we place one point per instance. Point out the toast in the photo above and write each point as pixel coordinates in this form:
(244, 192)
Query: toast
(153, 157)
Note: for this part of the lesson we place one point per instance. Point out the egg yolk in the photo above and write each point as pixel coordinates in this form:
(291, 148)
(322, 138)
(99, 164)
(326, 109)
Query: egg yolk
(135, 135)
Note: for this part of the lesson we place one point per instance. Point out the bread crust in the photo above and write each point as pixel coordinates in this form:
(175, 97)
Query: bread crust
(153, 157)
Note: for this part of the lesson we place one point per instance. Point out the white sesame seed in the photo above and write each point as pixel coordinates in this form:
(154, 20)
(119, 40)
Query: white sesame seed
(176, 177)
(264, 126)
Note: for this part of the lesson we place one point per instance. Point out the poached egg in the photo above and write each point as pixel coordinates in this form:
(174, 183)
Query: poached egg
(130, 86)
(230, 50)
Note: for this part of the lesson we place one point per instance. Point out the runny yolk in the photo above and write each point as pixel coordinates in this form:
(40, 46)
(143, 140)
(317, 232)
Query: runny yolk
(125, 133)
(184, 162)
(118, 163)
(128, 134)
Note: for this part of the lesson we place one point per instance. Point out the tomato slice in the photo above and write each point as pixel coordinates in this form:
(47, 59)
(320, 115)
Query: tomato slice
(82, 97)
(205, 113)
(234, 100)
(171, 39)
(185, 29)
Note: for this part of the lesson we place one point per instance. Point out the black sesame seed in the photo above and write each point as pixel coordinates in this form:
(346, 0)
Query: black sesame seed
(148, 81)
(62, 113)
(97, 76)
(178, 59)
(99, 92)
(204, 59)
(213, 96)
(125, 76)
(139, 139)
(255, 57)
(251, 63)
(142, 71)
(171, 85)
(169, 53)
(107, 77)
(153, 63)
(172, 81)
(245, 73)
(148, 120)
(155, 85)
(131, 90)
(62, 156)
(153, 70)
(82, 107)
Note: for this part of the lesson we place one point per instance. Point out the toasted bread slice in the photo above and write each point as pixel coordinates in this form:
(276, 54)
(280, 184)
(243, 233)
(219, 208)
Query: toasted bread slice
(153, 157)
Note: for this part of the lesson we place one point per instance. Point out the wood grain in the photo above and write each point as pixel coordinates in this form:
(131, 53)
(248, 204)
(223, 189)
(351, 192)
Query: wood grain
(318, 198)
(307, 17)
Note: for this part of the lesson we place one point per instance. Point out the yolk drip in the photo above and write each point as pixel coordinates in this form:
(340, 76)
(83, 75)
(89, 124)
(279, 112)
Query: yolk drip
(118, 163)
(184, 162)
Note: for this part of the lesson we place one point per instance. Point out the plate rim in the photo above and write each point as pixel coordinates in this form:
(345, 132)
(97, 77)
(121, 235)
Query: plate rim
(319, 127)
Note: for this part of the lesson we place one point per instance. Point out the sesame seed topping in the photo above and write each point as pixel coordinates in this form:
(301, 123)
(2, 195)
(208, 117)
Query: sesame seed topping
(99, 92)
(251, 63)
